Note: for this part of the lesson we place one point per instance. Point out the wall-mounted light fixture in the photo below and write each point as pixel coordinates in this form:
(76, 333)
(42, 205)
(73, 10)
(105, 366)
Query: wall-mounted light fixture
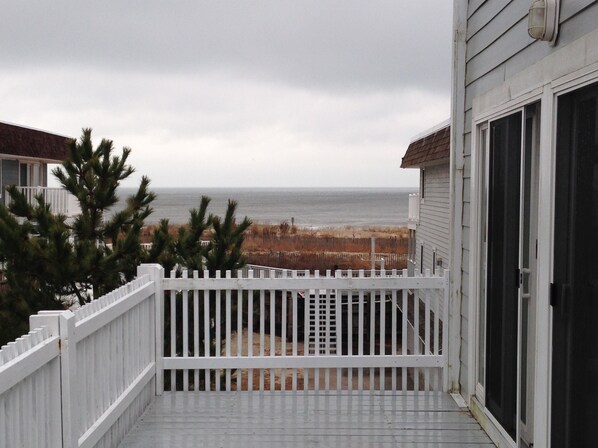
(543, 20)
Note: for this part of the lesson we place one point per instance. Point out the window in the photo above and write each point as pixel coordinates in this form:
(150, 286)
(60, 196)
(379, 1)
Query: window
(23, 175)
(422, 183)
(434, 261)
(421, 259)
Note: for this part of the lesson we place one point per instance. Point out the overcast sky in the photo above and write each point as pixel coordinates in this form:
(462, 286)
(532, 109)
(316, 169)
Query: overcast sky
(294, 93)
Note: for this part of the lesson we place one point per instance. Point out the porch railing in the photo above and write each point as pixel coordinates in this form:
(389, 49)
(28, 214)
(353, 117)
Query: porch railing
(82, 378)
(30, 401)
(295, 330)
(60, 200)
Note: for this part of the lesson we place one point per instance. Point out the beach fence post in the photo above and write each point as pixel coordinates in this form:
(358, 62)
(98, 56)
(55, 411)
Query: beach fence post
(373, 252)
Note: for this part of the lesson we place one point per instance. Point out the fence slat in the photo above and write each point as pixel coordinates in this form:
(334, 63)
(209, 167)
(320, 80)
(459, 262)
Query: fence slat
(185, 332)
(372, 335)
(207, 334)
(327, 334)
(250, 331)
(427, 337)
(338, 329)
(196, 332)
(393, 330)
(360, 333)
(218, 349)
(262, 329)
(228, 333)
(283, 333)
(173, 332)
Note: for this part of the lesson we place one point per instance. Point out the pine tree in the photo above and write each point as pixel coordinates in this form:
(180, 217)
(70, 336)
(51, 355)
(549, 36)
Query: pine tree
(221, 251)
(108, 248)
(188, 246)
(50, 261)
(225, 251)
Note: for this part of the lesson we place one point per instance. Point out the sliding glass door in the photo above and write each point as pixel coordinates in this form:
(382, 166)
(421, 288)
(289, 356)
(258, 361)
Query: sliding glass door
(508, 229)
(502, 270)
(575, 288)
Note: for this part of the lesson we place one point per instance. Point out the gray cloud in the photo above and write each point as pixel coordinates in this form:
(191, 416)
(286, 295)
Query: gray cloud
(344, 44)
(243, 93)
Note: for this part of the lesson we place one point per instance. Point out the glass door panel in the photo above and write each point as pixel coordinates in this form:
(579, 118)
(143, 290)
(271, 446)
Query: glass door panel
(575, 289)
(503, 274)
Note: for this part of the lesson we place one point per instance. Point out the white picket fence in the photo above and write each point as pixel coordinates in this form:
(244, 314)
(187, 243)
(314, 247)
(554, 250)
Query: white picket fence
(83, 378)
(30, 391)
(254, 329)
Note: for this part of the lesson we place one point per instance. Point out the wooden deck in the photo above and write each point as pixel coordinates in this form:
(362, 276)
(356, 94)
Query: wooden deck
(305, 419)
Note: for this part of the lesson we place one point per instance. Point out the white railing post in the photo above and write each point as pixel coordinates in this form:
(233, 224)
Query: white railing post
(69, 380)
(156, 274)
(62, 323)
(50, 321)
(447, 366)
(47, 319)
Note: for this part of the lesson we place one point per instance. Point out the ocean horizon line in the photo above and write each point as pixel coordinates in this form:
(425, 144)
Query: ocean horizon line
(307, 207)
(275, 188)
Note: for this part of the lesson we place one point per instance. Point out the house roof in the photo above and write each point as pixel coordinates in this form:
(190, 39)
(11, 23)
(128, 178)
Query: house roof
(26, 142)
(432, 146)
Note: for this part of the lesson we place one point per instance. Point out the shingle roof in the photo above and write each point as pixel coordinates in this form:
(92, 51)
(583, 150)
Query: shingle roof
(433, 147)
(26, 142)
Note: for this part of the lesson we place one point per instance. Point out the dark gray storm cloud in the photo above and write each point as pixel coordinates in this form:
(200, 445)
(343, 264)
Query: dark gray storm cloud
(349, 45)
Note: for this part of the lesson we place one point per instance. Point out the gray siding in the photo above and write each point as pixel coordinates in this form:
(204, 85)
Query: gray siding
(499, 47)
(433, 227)
(434, 218)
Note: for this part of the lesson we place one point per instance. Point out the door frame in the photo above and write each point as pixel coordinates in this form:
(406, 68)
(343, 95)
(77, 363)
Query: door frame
(478, 223)
(494, 104)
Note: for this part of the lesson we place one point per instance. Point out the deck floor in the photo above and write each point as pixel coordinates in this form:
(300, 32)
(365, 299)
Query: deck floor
(305, 419)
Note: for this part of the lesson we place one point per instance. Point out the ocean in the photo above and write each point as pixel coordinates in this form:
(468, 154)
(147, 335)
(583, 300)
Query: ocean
(309, 207)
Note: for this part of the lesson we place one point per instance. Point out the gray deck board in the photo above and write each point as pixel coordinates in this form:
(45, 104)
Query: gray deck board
(305, 419)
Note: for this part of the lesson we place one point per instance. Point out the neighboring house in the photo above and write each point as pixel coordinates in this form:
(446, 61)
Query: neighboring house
(24, 157)
(429, 210)
(524, 222)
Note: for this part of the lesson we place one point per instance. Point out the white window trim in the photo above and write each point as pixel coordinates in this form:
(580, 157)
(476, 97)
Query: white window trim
(477, 175)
